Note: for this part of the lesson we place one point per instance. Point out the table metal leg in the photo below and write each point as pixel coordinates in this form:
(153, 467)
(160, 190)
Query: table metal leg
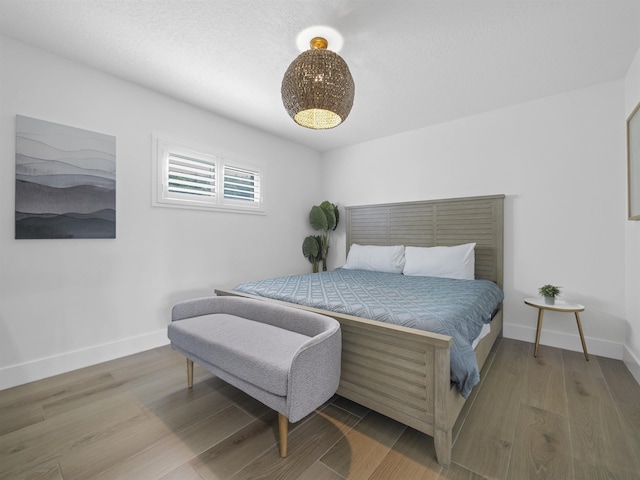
(584, 345)
(540, 314)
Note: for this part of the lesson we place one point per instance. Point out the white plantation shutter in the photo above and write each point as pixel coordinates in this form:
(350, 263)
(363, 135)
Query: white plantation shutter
(241, 184)
(191, 176)
(190, 179)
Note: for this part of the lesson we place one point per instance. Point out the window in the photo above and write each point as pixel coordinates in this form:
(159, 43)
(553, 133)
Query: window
(190, 179)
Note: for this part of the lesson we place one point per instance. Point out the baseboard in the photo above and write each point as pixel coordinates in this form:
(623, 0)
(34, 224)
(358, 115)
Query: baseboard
(632, 363)
(66, 362)
(567, 341)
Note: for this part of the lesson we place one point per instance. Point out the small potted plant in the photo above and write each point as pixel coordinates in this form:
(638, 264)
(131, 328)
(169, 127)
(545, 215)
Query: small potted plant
(549, 292)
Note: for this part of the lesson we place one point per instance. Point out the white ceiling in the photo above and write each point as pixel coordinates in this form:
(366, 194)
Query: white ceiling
(415, 63)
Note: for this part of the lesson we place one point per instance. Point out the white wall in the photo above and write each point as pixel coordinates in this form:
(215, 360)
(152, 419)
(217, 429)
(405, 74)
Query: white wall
(70, 303)
(561, 163)
(632, 351)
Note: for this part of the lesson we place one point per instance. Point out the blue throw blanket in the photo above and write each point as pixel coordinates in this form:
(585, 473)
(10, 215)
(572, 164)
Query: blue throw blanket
(457, 308)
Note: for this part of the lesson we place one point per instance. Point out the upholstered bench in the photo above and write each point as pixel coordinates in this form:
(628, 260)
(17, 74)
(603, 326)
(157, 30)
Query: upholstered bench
(286, 358)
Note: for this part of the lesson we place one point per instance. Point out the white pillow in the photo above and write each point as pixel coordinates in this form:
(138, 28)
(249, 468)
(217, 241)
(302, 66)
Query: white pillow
(377, 258)
(446, 262)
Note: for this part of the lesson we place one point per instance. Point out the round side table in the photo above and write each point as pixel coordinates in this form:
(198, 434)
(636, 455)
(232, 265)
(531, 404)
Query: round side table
(559, 306)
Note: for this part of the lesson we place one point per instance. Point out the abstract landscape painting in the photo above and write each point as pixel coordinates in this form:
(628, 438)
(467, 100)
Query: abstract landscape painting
(65, 181)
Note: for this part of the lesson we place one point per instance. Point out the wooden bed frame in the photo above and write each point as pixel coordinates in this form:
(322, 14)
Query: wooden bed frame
(401, 372)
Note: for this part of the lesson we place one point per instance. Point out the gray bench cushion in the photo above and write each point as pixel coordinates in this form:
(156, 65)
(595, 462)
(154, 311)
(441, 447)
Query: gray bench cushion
(257, 352)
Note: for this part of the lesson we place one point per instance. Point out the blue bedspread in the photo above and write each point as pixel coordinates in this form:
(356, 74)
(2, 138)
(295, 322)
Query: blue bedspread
(457, 308)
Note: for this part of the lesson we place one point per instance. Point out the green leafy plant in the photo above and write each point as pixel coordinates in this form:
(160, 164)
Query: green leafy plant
(550, 291)
(323, 218)
(311, 250)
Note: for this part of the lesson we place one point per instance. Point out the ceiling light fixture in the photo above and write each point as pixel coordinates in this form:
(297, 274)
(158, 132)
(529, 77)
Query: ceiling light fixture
(317, 88)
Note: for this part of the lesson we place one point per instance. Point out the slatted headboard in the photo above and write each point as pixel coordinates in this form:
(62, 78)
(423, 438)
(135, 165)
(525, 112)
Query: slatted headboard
(435, 222)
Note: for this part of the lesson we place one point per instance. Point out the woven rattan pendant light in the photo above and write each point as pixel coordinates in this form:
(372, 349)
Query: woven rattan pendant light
(317, 88)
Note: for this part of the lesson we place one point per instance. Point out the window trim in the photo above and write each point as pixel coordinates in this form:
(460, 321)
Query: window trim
(163, 145)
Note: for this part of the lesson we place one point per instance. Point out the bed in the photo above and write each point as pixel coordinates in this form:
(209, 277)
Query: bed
(401, 372)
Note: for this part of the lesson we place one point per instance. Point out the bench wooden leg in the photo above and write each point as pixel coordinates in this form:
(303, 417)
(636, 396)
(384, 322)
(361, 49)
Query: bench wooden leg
(283, 427)
(190, 373)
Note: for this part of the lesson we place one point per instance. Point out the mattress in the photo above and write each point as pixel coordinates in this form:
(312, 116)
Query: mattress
(457, 308)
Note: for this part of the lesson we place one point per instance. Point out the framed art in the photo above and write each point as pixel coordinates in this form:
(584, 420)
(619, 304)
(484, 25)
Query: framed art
(633, 158)
(65, 181)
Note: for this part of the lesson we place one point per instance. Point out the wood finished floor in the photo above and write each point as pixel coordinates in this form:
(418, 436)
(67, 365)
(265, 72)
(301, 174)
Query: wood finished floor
(552, 417)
